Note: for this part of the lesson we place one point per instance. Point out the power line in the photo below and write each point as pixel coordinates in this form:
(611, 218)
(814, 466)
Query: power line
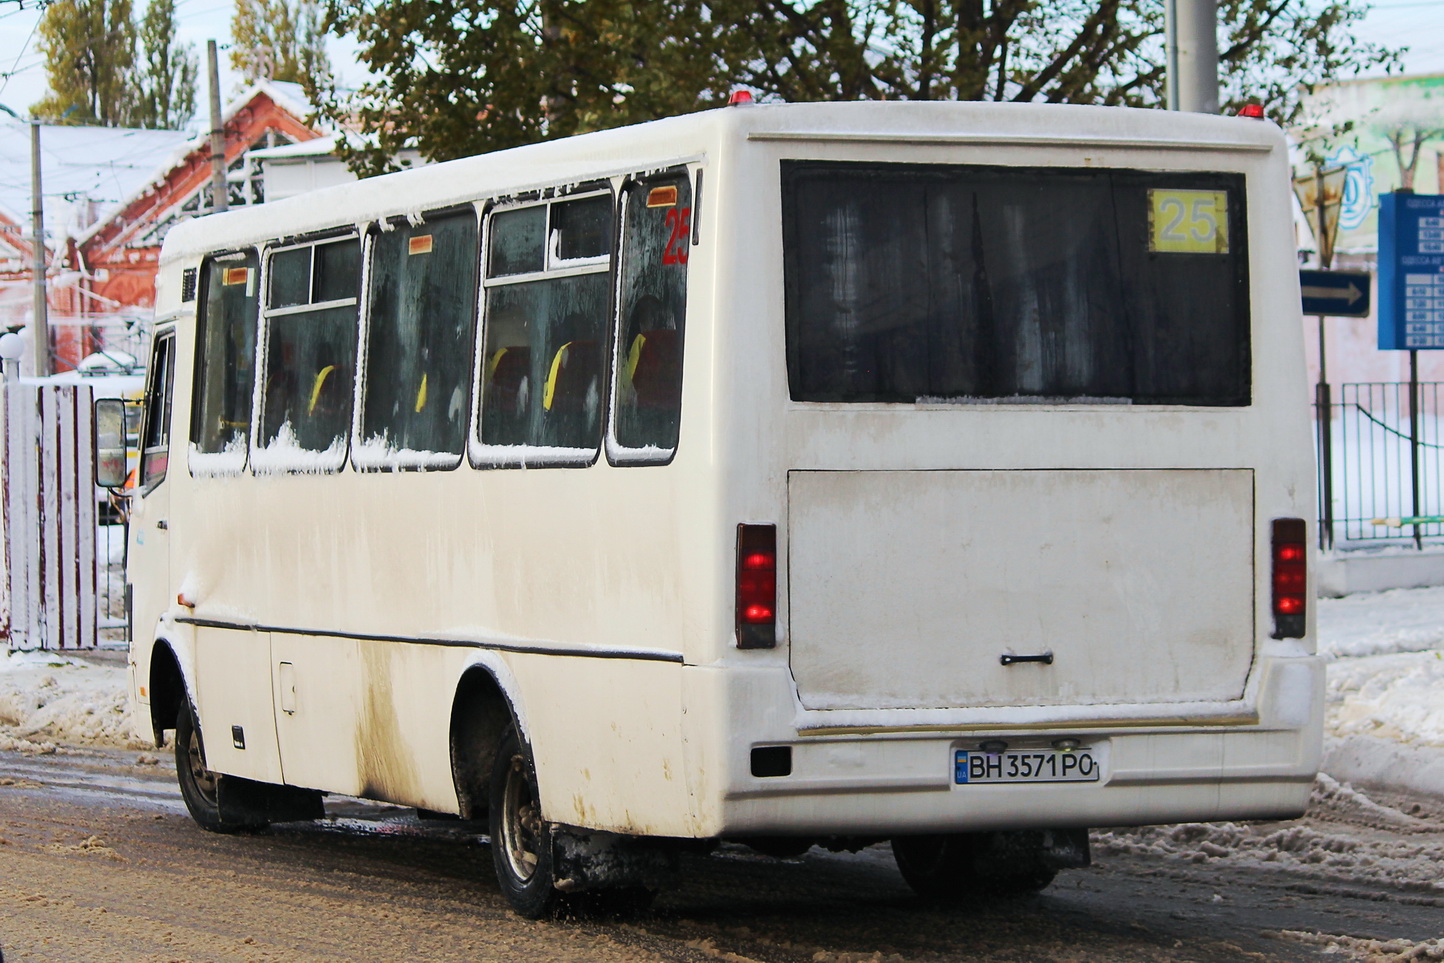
(23, 47)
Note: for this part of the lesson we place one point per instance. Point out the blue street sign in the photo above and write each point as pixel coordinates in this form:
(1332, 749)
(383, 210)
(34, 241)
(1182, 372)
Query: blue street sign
(1411, 271)
(1342, 294)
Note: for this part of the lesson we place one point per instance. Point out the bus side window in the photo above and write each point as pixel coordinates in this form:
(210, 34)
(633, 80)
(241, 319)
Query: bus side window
(311, 313)
(547, 294)
(656, 244)
(155, 449)
(422, 309)
(225, 361)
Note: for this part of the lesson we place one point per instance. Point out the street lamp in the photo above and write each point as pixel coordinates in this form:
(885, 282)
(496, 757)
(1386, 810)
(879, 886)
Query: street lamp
(40, 327)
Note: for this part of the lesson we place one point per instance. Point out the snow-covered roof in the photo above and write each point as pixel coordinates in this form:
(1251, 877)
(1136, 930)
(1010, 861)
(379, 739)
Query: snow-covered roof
(86, 172)
(317, 147)
(91, 173)
(287, 96)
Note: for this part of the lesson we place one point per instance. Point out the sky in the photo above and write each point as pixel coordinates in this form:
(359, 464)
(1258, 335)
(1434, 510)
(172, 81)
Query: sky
(22, 71)
(1418, 24)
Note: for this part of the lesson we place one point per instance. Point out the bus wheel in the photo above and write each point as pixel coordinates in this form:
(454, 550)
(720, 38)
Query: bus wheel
(963, 866)
(521, 840)
(198, 785)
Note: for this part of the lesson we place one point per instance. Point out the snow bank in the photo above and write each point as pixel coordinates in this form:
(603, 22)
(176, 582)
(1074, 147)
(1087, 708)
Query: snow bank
(1378, 623)
(49, 701)
(1385, 718)
(1410, 862)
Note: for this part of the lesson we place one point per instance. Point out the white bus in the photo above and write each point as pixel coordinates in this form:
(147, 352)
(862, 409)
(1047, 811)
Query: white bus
(929, 472)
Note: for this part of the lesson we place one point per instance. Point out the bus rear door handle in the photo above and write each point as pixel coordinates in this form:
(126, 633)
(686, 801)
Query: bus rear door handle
(1046, 658)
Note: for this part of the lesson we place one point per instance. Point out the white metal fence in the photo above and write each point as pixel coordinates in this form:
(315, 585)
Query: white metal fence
(49, 500)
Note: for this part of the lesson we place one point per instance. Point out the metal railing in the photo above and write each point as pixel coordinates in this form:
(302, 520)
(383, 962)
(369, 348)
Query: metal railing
(1380, 453)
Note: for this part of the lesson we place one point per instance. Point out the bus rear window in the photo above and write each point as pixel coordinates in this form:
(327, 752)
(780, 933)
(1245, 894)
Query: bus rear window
(953, 284)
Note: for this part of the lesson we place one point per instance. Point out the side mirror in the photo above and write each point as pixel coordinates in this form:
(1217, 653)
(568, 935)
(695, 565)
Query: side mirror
(110, 450)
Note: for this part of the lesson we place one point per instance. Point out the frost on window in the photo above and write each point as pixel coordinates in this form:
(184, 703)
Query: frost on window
(582, 230)
(225, 363)
(310, 358)
(656, 243)
(964, 284)
(542, 385)
(517, 241)
(416, 402)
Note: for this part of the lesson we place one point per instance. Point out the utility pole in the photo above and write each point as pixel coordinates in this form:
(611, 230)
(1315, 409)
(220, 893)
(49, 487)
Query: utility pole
(40, 321)
(220, 195)
(1192, 27)
(40, 325)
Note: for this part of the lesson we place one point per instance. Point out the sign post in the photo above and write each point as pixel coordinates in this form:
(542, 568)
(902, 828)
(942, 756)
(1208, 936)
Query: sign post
(1411, 295)
(1321, 197)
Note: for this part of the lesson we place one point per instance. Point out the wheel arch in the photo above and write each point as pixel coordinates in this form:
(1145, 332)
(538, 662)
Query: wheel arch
(481, 710)
(167, 689)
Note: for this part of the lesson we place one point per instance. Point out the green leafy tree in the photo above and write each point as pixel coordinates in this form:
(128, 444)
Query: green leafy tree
(165, 80)
(280, 40)
(106, 69)
(89, 50)
(470, 76)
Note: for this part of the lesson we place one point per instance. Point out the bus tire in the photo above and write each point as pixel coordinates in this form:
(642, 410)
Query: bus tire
(521, 840)
(953, 867)
(199, 786)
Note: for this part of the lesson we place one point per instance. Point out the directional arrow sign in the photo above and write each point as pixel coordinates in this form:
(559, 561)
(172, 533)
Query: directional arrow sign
(1343, 294)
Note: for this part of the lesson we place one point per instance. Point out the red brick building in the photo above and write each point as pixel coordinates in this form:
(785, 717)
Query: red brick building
(110, 197)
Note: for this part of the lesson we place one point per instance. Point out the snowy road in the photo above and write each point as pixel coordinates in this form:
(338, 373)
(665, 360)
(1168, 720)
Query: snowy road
(98, 862)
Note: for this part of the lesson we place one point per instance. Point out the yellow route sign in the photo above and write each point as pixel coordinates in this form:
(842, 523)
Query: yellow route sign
(1188, 222)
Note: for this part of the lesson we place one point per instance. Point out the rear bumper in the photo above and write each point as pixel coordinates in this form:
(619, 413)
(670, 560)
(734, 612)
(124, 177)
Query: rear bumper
(1252, 764)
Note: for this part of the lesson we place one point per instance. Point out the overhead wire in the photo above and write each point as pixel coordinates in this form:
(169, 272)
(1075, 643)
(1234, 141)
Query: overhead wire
(5, 81)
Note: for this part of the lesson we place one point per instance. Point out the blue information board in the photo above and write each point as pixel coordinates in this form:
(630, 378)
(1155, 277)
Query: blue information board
(1411, 271)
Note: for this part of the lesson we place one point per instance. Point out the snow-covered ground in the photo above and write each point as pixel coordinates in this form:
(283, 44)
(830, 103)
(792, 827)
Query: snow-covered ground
(50, 701)
(1385, 720)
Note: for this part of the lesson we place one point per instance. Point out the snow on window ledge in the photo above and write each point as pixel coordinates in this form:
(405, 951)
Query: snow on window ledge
(229, 461)
(529, 456)
(286, 455)
(619, 454)
(377, 453)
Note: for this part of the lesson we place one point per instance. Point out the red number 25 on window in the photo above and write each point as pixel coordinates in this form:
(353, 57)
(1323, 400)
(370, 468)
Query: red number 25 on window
(679, 220)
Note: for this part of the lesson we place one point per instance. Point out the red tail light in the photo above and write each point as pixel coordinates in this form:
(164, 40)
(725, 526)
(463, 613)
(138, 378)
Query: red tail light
(1290, 577)
(756, 586)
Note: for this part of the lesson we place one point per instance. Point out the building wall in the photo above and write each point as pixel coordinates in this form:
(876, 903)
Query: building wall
(1376, 108)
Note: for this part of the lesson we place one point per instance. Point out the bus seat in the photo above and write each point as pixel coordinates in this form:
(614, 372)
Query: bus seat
(653, 366)
(574, 377)
(318, 387)
(506, 376)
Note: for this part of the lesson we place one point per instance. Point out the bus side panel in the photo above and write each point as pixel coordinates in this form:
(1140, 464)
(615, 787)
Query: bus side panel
(233, 700)
(366, 718)
(607, 739)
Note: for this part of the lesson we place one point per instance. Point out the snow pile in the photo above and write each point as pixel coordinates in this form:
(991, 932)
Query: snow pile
(49, 700)
(1380, 623)
(1396, 697)
(1385, 718)
(1410, 863)
(1370, 951)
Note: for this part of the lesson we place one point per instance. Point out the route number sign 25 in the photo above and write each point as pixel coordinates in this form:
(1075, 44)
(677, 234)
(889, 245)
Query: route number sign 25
(1188, 222)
